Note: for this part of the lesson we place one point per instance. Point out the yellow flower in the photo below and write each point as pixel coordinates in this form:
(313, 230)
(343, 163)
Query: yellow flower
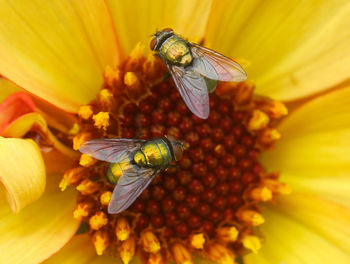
(62, 53)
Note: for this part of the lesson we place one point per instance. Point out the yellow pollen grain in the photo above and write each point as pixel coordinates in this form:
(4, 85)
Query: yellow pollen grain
(227, 234)
(101, 241)
(80, 139)
(74, 130)
(127, 250)
(98, 220)
(252, 217)
(198, 241)
(106, 97)
(101, 120)
(105, 197)
(262, 194)
(111, 75)
(181, 254)
(259, 120)
(122, 229)
(85, 112)
(150, 242)
(87, 187)
(81, 211)
(251, 242)
(86, 160)
(130, 79)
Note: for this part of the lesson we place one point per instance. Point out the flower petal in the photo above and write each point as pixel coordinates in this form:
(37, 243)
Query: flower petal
(81, 250)
(22, 171)
(14, 106)
(7, 88)
(295, 48)
(304, 229)
(188, 18)
(39, 230)
(57, 49)
(313, 154)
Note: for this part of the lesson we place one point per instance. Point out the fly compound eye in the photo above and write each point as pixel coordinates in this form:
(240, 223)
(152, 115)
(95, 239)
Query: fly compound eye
(153, 43)
(178, 152)
(168, 30)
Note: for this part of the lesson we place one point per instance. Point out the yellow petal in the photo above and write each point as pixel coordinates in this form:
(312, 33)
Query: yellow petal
(80, 250)
(40, 229)
(295, 48)
(313, 154)
(135, 21)
(22, 171)
(35, 121)
(7, 88)
(309, 231)
(57, 49)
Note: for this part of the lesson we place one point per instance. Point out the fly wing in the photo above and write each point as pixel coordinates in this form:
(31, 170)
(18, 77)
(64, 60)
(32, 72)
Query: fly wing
(111, 149)
(193, 89)
(130, 185)
(216, 66)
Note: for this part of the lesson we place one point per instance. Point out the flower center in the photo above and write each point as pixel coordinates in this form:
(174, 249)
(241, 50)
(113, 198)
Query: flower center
(208, 203)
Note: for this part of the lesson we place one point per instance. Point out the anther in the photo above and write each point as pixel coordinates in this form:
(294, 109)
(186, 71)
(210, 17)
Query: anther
(180, 254)
(277, 187)
(101, 241)
(80, 138)
(262, 194)
(258, 120)
(127, 250)
(251, 242)
(85, 112)
(105, 198)
(122, 229)
(227, 234)
(86, 160)
(87, 187)
(98, 220)
(105, 97)
(82, 210)
(70, 177)
(220, 253)
(101, 120)
(269, 136)
(111, 76)
(197, 241)
(150, 242)
(155, 258)
(251, 217)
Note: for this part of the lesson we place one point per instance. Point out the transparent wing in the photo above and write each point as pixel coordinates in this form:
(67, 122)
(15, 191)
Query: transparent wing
(111, 149)
(130, 185)
(193, 89)
(216, 66)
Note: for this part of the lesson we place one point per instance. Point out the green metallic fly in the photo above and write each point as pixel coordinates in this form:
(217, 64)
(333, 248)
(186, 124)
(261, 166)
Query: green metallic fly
(193, 69)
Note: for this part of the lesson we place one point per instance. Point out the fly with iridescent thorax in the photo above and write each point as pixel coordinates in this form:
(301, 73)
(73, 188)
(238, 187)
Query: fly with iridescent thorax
(194, 69)
(134, 164)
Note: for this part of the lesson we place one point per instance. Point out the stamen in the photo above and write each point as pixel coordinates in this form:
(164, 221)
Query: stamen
(88, 187)
(106, 98)
(82, 210)
(131, 80)
(127, 250)
(251, 242)
(85, 112)
(150, 242)
(227, 234)
(122, 229)
(105, 198)
(98, 220)
(269, 136)
(80, 139)
(86, 160)
(155, 258)
(197, 241)
(101, 120)
(262, 194)
(258, 121)
(181, 254)
(101, 241)
(220, 254)
(251, 217)
(71, 177)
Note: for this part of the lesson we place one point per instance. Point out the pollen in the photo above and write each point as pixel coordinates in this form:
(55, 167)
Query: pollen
(105, 198)
(251, 242)
(85, 112)
(101, 241)
(98, 220)
(122, 229)
(74, 130)
(209, 202)
(101, 120)
(197, 241)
